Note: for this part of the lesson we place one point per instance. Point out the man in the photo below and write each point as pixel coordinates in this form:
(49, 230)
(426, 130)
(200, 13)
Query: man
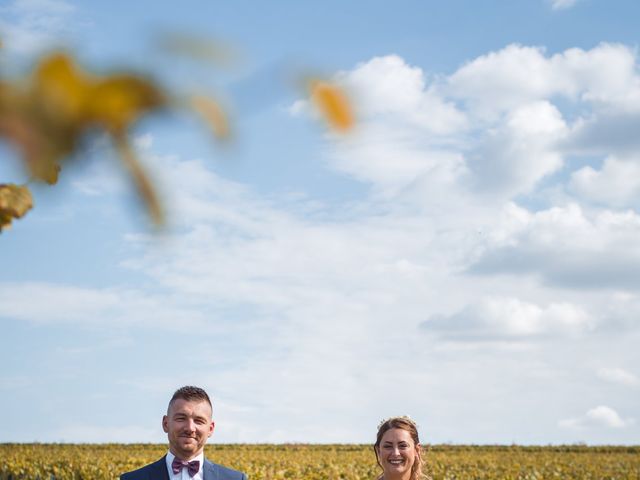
(188, 424)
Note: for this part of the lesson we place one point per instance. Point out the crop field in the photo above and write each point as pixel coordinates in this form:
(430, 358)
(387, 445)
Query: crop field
(320, 462)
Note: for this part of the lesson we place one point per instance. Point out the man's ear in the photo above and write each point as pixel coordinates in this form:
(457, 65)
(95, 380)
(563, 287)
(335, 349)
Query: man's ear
(211, 427)
(165, 424)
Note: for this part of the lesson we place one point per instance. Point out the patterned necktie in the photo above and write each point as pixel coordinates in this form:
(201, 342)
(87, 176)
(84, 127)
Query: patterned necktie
(192, 466)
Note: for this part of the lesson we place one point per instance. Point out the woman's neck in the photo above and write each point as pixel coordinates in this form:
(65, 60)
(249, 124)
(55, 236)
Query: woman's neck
(402, 476)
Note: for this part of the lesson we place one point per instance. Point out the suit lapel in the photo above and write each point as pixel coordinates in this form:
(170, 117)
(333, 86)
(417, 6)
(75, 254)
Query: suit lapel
(159, 470)
(209, 470)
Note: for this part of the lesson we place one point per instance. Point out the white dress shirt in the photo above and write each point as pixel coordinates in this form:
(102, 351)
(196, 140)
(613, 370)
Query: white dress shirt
(184, 473)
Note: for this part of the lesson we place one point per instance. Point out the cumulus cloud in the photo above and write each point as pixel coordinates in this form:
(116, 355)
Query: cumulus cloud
(510, 318)
(604, 77)
(598, 417)
(619, 376)
(404, 126)
(616, 184)
(515, 156)
(565, 245)
(609, 133)
(388, 87)
(499, 81)
(500, 124)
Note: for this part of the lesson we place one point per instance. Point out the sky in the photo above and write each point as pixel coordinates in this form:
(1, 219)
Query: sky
(467, 255)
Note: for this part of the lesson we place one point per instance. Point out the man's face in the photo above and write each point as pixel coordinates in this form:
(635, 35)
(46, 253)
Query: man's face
(188, 425)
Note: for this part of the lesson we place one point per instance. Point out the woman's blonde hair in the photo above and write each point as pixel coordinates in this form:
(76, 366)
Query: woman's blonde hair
(403, 423)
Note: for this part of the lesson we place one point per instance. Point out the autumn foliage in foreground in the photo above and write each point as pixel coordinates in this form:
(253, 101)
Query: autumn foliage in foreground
(47, 116)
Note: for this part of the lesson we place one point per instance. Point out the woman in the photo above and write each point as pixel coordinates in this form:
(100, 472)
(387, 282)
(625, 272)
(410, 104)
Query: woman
(398, 450)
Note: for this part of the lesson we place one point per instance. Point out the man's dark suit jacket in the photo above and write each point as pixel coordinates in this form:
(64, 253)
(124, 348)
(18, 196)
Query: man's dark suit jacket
(158, 471)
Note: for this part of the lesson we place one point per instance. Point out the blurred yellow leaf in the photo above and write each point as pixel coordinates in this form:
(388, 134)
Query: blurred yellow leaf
(40, 142)
(60, 89)
(45, 169)
(46, 117)
(212, 114)
(15, 201)
(143, 184)
(119, 100)
(333, 104)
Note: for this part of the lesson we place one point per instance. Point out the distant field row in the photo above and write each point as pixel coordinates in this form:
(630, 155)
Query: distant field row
(322, 462)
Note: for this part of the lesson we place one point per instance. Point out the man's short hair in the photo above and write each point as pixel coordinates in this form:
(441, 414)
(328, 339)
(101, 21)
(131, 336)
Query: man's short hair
(190, 394)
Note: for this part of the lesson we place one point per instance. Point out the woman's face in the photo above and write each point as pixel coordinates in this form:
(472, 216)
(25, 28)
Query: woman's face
(397, 453)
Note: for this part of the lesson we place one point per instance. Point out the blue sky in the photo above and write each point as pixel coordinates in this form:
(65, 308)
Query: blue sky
(468, 255)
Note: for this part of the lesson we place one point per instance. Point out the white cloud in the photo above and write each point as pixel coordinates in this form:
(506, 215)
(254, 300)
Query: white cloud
(604, 77)
(31, 26)
(503, 318)
(500, 124)
(520, 152)
(610, 133)
(101, 178)
(390, 88)
(618, 375)
(562, 4)
(403, 130)
(44, 303)
(617, 183)
(598, 417)
(393, 165)
(565, 245)
(43, 5)
(499, 81)
(144, 141)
